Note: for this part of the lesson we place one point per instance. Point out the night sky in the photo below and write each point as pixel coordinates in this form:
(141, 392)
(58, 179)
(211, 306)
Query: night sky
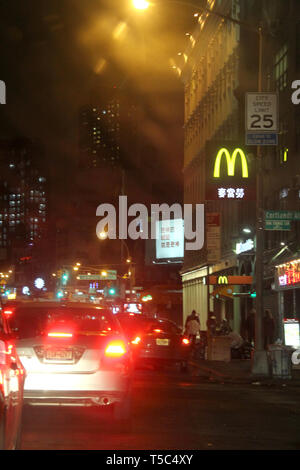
(53, 52)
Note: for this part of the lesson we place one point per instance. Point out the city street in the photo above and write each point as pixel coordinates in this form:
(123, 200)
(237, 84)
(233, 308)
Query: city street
(176, 411)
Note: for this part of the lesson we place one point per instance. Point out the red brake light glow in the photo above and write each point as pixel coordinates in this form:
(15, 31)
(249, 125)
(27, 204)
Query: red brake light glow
(157, 330)
(115, 349)
(55, 334)
(8, 312)
(136, 340)
(185, 341)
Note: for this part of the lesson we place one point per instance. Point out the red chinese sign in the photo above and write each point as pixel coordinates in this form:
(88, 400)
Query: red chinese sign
(288, 274)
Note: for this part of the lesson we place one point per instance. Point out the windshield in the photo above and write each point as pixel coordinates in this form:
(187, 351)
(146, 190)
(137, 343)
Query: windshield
(31, 322)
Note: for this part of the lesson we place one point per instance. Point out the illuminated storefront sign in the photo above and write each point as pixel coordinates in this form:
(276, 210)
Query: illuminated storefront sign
(231, 160)
(231, 280)
(289, 274)
(242, 247)
(228, 173)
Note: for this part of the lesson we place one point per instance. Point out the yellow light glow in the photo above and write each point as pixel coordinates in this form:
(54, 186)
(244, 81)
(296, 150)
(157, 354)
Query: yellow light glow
(75, 268)
(102, 235)
(140, 4)
(103, 273)
(119, 30)
(230, 162)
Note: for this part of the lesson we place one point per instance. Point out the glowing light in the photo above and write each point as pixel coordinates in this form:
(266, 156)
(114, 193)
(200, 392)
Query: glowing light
(230, 162)
(60, 335)
(39, 283)
(185, 341)
(115, 349)
(136, 340)
(140, 4)
(102, 235)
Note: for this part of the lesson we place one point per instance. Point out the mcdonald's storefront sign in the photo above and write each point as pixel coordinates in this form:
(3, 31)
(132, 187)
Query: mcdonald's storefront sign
(229, 174)
(231, 280)
(231, 162)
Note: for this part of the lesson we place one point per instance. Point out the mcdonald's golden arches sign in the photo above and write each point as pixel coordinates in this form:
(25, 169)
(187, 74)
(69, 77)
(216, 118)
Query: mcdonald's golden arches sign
(229, 172)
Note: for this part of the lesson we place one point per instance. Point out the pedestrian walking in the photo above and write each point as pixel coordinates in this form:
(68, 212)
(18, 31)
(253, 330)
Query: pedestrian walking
(192, 330)
(211, 323)
(192, 316)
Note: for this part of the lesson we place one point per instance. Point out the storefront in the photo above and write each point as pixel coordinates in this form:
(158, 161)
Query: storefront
(287, 284)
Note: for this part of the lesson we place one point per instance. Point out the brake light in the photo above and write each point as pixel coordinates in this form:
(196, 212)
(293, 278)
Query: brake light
(115, 349)
(60, 335)
(157, 330)
(8, 312)
(185, 341)
(136, 340)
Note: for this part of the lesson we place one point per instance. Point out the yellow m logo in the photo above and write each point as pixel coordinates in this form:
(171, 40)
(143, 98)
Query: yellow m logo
(230, 162)
(222, 280)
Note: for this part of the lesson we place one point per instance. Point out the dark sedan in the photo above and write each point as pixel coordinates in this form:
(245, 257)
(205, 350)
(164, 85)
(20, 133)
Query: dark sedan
(155, 341)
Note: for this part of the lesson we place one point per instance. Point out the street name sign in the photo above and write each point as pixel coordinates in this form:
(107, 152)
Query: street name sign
(109, 275)
(277, 224)
(282, 215)
(261, 119)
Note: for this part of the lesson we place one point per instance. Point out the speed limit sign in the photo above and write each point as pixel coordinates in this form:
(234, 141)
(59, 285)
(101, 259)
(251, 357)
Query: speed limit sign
(261, 118)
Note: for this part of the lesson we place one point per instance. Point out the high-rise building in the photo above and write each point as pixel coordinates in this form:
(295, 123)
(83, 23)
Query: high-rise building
(23, 198)
(107, 130)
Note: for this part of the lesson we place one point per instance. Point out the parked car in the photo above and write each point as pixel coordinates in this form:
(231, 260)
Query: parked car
(12, 376)
(75, 354)
(156, 341)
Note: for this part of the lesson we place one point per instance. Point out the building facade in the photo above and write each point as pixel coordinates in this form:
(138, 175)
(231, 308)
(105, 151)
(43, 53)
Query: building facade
(218, 69)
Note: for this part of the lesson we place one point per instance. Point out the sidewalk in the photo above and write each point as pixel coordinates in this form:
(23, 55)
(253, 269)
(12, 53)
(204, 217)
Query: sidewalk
(239, 371)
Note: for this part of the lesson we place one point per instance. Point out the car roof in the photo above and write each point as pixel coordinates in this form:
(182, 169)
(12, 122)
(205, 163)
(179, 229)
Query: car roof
(140, 316)
(53, 304)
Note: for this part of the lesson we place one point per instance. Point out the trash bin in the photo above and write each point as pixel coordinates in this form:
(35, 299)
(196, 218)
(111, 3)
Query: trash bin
(281, 361)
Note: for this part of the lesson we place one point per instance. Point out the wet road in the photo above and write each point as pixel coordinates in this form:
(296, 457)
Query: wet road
(175, 411)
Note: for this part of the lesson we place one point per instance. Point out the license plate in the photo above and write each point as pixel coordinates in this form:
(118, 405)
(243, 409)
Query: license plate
(162, 342)
(59, 355)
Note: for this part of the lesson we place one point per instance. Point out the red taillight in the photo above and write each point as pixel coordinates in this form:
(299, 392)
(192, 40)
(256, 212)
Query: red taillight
(8, 312)
(136, 340)
(56, 334)
(185, 341)
(157, 330)
(115, 349)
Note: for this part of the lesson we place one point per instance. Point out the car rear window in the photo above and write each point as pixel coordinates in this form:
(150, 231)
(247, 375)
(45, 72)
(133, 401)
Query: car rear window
(29, 322)
(134, 325)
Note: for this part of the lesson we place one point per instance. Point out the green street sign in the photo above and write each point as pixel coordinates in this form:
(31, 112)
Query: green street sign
(277, 225)
(282, 215)
(105, 275)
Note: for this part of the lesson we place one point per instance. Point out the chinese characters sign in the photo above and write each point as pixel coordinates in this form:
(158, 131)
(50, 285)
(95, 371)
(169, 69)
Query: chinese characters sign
(229, 175)
(169, 239)
(288, 275)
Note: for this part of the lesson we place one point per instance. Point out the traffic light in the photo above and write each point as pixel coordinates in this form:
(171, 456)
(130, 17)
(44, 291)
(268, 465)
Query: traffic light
(65, 277)
(253, 294)
(111, 291)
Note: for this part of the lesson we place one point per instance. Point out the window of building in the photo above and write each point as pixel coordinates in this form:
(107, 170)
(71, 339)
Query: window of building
(280, 68)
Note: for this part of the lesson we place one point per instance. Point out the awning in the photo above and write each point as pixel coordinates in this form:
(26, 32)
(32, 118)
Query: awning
(223, 291)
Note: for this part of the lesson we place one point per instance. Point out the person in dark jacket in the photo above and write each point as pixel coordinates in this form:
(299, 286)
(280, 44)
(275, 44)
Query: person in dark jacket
(192, 316)
(268, 328)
